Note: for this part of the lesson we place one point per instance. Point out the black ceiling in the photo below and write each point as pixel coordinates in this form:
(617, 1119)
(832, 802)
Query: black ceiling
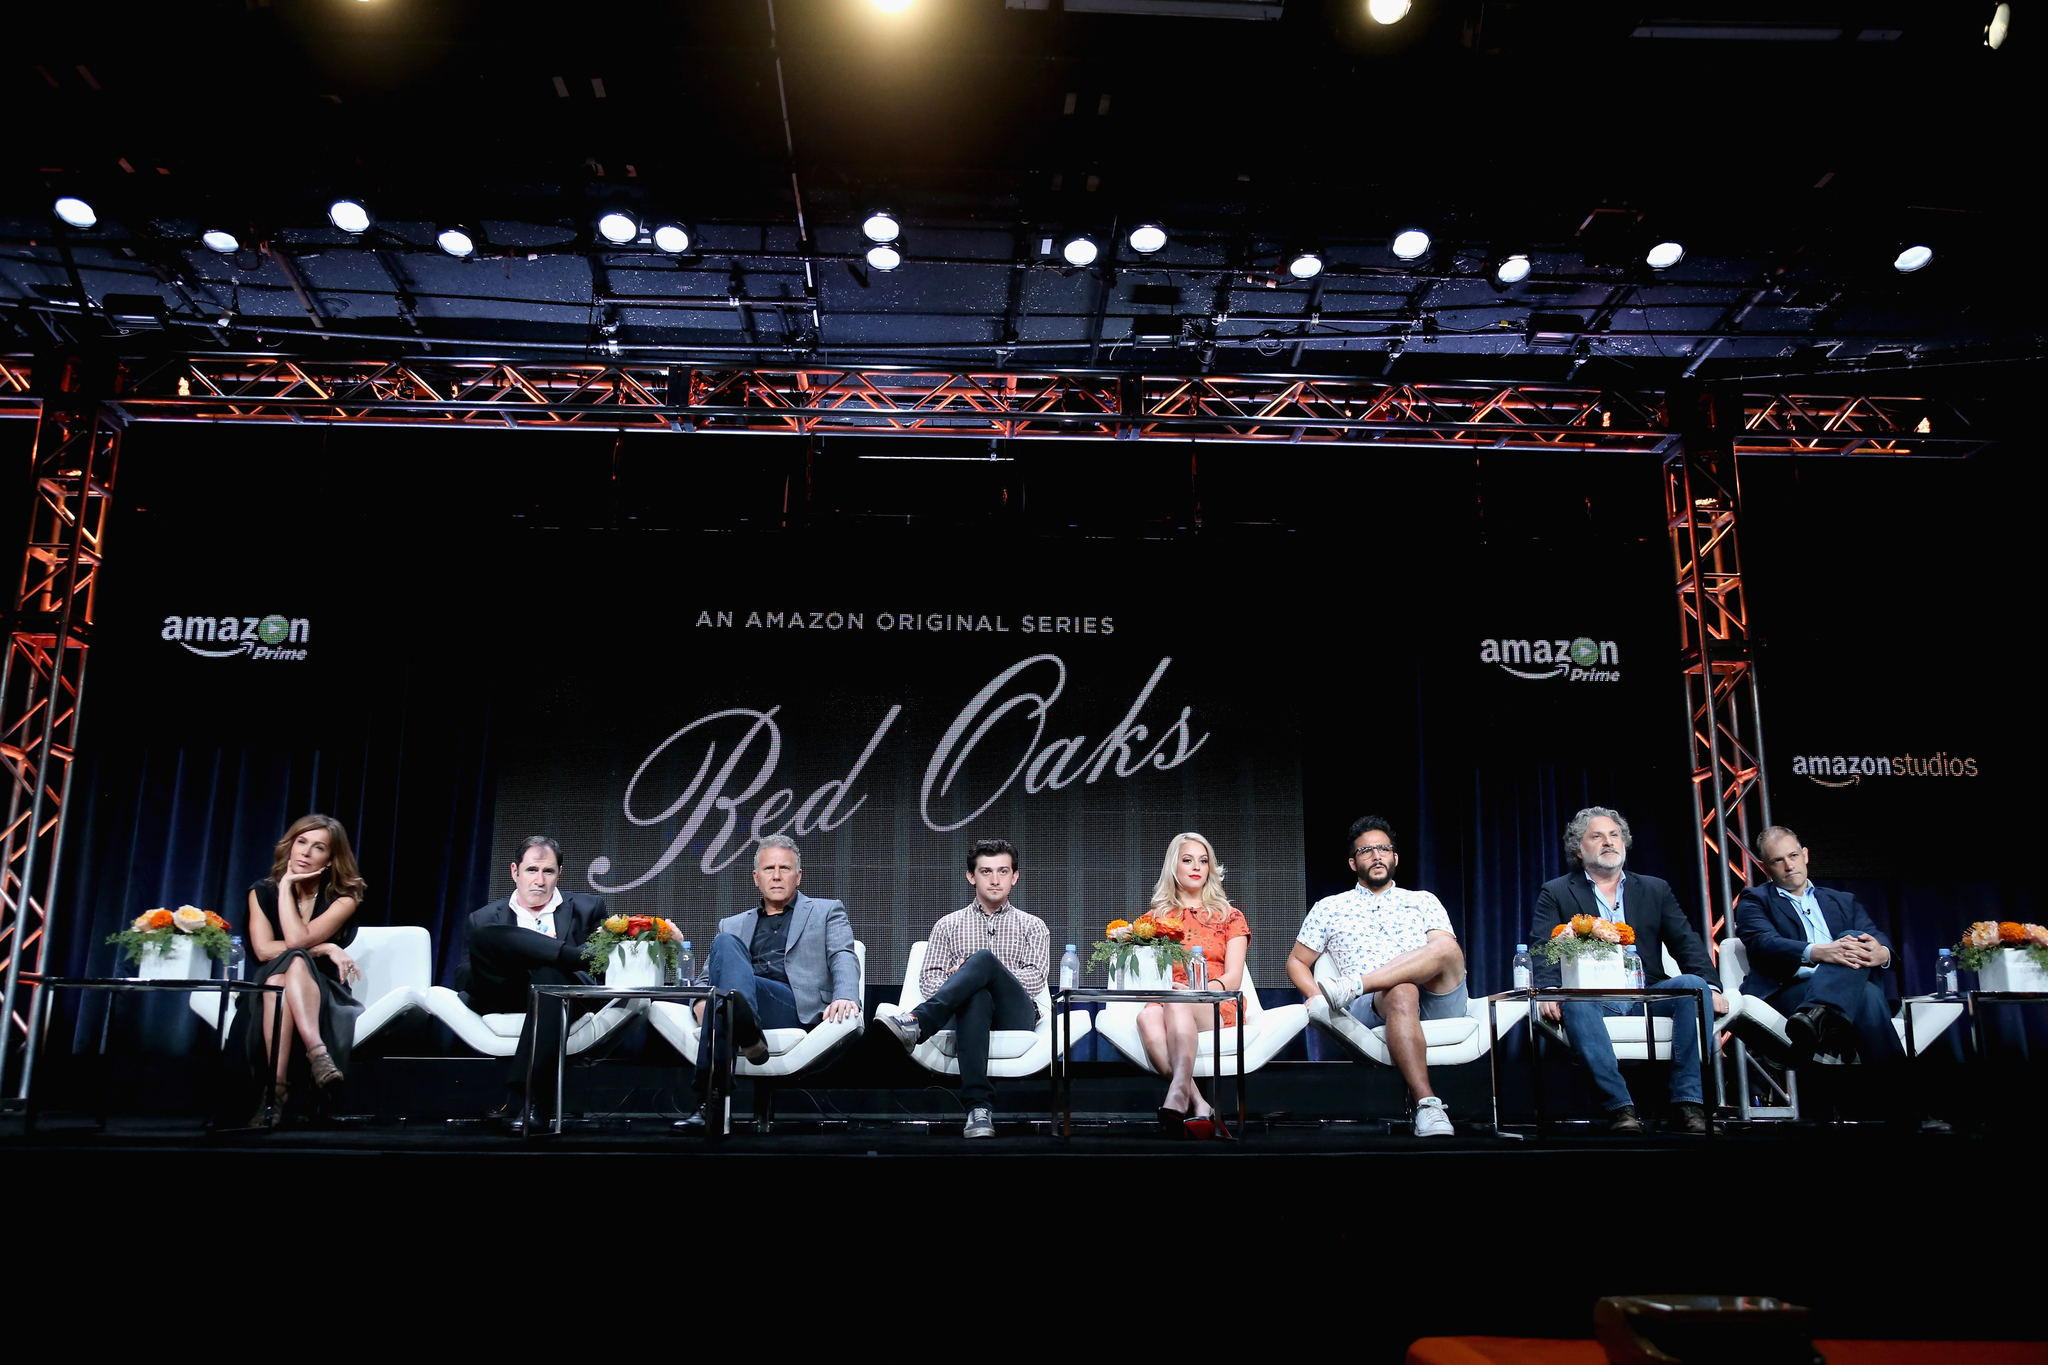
(1792, 154)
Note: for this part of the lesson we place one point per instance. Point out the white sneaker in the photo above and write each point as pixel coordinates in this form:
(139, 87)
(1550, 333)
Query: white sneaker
(1431, 1119)
(1341, 994)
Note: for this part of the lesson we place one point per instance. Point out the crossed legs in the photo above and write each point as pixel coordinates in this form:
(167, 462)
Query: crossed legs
(1172, 1036)
(1394, 992)
(302, 1008)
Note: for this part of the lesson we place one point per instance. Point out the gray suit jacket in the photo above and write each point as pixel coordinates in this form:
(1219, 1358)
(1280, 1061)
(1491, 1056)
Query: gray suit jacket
(818, 954)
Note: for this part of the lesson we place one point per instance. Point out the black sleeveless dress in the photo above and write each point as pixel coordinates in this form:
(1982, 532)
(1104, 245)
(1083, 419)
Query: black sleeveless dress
(338, 1009)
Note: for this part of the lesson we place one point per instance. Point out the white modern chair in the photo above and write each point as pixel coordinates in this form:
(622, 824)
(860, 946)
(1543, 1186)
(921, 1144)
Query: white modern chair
(497, 1035)
(1012, 1053)
(791, 1051)
(1450, 1042)
(397, 963)
(1266, 1031)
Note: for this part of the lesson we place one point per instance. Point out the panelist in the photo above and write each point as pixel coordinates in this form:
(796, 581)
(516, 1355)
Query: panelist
(1399, 962)
(1596, 843)
(301, 921)
(1190, 889)
(789, 958)
(984, 967)
(532, 937)
(1816, 957)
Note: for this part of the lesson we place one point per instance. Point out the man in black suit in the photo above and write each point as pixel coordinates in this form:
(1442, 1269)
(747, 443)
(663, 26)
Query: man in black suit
(532, 937)
(1596, 842)
(1816, 957)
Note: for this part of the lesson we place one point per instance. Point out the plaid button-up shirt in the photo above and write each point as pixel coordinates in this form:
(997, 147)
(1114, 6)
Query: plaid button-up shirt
(1020, 942)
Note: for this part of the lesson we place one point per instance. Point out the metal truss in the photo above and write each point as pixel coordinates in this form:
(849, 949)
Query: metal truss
(77, 446)
(800, 399)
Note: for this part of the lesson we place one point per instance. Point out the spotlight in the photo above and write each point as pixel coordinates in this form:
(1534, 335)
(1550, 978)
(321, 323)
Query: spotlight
(1413, 242)
(618, 227)
(1080, 250)
(458, 240)
(1306, 265)
(1512, 269)
(673, 238)
(221, 240)
(1387, 11)
(1147, 238)
(1664, 255)
(1912, 258)
(350, 216)
(883, 257)
(881, 226)
(2000, 25)
(75, 211)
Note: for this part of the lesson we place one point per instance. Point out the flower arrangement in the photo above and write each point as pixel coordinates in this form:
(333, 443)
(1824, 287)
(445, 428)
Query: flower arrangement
(1985, 938)
(1582, 935)
(155, 931)
(660, 936)
(1123, 940)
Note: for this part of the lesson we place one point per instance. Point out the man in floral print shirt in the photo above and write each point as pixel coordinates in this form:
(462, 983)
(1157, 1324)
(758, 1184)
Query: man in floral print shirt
(1398, 961)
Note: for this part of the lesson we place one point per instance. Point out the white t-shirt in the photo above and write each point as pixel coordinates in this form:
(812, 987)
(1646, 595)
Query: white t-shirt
(1364, 930)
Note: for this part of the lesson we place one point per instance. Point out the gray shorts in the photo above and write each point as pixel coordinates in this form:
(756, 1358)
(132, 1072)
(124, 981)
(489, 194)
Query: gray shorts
(1450, 1005)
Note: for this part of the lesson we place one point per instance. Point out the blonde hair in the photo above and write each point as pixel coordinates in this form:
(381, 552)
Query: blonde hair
(1166, 895)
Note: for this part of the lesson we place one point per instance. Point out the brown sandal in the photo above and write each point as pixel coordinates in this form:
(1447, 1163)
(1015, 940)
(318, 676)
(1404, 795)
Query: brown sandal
(273, 1115)
(325, 1072)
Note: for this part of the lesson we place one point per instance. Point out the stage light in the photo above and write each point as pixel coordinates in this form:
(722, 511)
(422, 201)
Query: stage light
(1080, 250)
(349, 215)
(2000, 25)
(221, 240)
(618, 227)
(673, 238)
(1664, 255)
(457, 240)
(881, 226)
(1912, 258)
(1387, 11)
(1512, 269)
(1410, 244)
(1147, 238)
(884, 257)
(75, 211)
(1306, 265)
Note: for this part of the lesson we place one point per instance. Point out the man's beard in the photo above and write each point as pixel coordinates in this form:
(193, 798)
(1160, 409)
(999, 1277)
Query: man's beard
(1619, 859)
(1377, 875)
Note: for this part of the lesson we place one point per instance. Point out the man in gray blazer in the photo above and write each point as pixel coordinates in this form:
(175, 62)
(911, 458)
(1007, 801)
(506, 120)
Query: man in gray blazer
(790, 959)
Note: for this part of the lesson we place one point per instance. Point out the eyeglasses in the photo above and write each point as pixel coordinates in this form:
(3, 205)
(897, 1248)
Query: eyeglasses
(1368, 850)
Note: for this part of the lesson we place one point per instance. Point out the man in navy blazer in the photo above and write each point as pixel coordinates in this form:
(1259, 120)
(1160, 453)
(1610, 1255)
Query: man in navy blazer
(1597, 841)
(1816, 957)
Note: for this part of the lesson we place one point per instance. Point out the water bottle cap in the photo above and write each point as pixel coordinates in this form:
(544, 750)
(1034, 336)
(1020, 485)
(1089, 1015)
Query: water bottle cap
(1521, 947)
(1072, 949)
(686, 945)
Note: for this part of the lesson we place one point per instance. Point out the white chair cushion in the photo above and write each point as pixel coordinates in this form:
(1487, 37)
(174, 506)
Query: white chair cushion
(1004, 1044)
(790, 1050)
(397, 963)
(1011, 1052)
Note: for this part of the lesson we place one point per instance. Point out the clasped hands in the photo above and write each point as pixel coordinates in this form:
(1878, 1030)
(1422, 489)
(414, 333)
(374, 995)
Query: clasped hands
(1859, 951)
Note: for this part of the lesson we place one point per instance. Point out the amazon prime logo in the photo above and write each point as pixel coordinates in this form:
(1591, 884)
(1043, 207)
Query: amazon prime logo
(226, 637)
(1580, 660)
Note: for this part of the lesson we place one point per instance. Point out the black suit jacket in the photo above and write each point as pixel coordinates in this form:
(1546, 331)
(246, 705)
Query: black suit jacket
(1649, 907)
(576, 919)
(1771, 930)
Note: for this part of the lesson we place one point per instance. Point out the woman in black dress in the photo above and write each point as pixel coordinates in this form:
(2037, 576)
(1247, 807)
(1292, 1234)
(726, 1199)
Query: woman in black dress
(301, 921)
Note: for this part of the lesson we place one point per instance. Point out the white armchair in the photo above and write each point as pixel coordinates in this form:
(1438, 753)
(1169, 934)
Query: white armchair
(1011, 1052)
(791, 1051)
(397, 963)
(1450, 1042)
(1766, 1025)
(1265, 1032)
(497, 1035)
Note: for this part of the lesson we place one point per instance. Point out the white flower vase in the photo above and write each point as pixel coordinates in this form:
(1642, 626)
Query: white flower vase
(632, 966)
(181, 959)
(1148, 972)
(2010, 969)
(1596, 971)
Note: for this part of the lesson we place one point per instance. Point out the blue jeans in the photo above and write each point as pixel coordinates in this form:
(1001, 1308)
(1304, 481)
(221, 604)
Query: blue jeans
(764, 1003)
(1585, 1027)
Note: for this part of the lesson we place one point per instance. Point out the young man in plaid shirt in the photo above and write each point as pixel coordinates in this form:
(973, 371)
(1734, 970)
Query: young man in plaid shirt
(984, 967)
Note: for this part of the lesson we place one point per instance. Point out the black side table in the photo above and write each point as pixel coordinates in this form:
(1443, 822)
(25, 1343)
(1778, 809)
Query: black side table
(720, 1080)
(1062, 1099)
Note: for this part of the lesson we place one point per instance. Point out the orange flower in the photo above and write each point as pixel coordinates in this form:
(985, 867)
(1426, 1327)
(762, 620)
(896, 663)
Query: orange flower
(1146, 929)
(1115, 925)
(157, 919)
(1169, 929)
(637, 925)
(1628, 934)
(1982, 934)
(215, 921)
(1560, 929)
(1582, 925)
(2009, 932)
(663, 930)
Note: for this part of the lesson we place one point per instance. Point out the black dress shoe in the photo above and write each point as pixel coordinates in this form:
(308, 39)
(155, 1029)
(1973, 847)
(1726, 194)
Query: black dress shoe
(694, 1123)
(1624, 1120)
(1808, 1028)
(1688, 1118)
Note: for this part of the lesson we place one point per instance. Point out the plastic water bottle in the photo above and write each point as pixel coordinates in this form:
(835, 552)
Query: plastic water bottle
(686, 966)
(1525, 968)
(1945, 974)
(1070, 969)
(238, 960)
(1198, 969)
(1632, 963)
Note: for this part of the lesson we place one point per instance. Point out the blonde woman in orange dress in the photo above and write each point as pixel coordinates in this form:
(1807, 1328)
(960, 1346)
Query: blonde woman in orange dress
(1190, 889)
